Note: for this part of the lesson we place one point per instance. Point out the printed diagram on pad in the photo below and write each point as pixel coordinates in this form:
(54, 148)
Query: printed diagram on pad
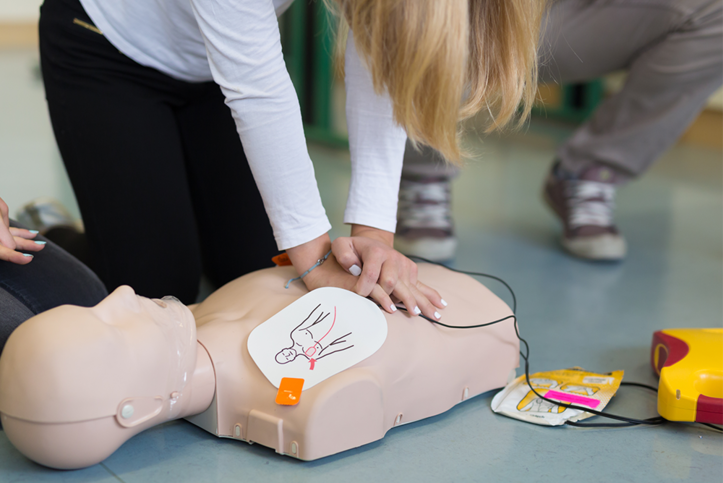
(532, 403)
(321, 334)
(312, 339)
(539, 382)
(574, 386)
(582, 390)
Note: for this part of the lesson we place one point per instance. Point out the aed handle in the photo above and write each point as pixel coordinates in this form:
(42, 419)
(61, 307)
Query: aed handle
(666, 350)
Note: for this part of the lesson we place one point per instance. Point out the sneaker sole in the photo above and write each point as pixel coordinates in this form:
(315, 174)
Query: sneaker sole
(602, 248)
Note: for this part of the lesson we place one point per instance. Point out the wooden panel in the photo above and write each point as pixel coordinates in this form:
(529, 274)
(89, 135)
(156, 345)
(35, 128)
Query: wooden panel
(549, 96)
(18, 35)
(706, 130)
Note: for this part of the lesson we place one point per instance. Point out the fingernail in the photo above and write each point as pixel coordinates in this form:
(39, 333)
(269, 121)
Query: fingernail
(393, 308)
(27, 255)
(34, 232)
(444, 302)
(40, 243)
(417, 311)
(355, 270)
(437, 315)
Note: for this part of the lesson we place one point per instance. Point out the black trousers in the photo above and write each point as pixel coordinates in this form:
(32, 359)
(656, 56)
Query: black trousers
(156, 165)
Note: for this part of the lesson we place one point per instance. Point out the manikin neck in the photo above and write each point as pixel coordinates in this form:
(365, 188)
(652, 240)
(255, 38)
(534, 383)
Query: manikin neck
(202, 386)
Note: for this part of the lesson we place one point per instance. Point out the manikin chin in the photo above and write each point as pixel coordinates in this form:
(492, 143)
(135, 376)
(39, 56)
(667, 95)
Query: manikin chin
(76, 383)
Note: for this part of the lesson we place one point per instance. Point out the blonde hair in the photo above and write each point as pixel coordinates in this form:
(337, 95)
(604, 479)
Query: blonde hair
(442, 61)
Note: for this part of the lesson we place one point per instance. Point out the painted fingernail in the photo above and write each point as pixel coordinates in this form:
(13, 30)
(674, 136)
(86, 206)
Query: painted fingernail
(34, 232)
(355, 270)
(437, 315)
(417, 311)
(393, 308)
(40, 243)
(444, 302)
(27, 255)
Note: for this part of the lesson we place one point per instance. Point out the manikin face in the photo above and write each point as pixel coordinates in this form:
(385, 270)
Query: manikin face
(89, 359)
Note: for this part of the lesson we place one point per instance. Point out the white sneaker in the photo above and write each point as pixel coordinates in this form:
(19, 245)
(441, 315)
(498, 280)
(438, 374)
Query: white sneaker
(585, 206)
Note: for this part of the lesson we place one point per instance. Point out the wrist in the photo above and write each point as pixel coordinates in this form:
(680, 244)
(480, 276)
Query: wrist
(383, 236)
(304, 256)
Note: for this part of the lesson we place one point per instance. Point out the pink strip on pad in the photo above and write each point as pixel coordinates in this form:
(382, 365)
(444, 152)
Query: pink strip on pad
(573, 399)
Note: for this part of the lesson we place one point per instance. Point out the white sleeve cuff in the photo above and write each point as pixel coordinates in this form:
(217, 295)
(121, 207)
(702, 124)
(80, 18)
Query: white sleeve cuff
(299, 237)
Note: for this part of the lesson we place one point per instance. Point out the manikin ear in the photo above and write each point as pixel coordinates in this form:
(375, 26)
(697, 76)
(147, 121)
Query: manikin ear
(121, 301)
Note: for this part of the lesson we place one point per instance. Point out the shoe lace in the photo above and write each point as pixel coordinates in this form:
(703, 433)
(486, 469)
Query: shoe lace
(425, 204)
(591, 203)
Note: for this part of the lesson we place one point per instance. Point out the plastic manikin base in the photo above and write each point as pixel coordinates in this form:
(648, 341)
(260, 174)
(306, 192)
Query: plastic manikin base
(53, 364)
(421, 370)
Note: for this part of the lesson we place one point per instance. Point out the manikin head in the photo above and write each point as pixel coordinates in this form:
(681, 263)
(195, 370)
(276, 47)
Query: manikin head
(118, 367)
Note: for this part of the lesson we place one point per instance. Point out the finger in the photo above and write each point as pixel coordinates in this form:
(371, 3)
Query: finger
(425, 305)
(346, 256)
(29, 245)
(402, 292)
(382, 298)
(432, 295)
(410, 271)
(15, 257)
(6, 238)
(374, 257)
(389, 276)
(23, 233)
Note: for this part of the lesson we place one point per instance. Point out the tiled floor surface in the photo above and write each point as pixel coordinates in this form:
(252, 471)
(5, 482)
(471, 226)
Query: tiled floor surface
(573, 313)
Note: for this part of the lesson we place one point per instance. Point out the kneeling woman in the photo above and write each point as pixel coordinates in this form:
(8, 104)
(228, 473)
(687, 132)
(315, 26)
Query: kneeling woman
(167, 111)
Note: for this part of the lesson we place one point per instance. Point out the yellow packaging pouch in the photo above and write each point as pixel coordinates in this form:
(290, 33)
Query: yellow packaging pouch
(571, 386)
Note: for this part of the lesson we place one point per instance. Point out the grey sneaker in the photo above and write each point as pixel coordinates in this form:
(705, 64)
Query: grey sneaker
(585, 205)
(424, 219)
(42, 214)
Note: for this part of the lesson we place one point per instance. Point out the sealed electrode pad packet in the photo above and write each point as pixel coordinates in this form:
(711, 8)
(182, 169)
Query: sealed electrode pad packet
(572, 386)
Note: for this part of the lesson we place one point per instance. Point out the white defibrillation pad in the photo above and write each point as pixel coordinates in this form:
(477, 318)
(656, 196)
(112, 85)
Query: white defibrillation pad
(321, 334)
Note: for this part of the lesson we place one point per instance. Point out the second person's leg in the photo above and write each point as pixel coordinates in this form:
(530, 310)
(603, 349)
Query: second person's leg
(672, 52)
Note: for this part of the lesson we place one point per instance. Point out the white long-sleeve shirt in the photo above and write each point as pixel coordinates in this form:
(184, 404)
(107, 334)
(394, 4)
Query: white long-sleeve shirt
(236, 43)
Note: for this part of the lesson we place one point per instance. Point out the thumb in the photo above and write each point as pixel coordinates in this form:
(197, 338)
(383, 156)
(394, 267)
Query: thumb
(346, 255)
(6, 238)
(4, 214)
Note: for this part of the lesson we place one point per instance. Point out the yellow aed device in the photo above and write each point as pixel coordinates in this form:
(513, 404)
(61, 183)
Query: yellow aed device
(690, 365)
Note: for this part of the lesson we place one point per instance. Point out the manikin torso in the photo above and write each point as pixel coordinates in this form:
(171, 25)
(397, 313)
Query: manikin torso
(421, 370)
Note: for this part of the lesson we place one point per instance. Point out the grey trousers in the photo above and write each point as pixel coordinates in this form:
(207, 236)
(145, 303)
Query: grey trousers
(673, 53)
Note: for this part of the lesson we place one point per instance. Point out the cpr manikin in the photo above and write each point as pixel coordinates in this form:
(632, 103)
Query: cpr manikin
(76, 383)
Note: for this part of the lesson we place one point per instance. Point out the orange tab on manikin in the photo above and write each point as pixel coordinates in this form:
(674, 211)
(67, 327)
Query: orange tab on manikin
(289, 391)
(282, 260)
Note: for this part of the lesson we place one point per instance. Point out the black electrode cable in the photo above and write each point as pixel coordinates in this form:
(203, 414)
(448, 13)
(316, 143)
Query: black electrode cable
(625, 421)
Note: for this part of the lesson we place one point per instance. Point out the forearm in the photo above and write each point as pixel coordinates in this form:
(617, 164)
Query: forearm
(248, 65)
